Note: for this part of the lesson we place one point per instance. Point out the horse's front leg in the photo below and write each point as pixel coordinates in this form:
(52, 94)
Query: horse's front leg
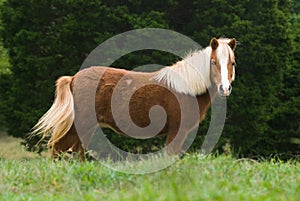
(174, 142)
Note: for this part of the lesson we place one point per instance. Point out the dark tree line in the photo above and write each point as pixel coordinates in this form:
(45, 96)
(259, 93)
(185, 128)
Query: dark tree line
(46, 39)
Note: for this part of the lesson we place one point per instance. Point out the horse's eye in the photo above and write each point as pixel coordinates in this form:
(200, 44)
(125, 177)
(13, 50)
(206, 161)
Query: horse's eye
(234, 64)
(213, 63)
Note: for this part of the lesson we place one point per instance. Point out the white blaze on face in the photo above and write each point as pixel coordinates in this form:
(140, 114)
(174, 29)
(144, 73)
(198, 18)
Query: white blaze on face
(223, 56)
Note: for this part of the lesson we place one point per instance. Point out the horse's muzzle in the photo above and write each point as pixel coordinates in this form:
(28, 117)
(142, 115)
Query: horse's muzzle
(224, 91)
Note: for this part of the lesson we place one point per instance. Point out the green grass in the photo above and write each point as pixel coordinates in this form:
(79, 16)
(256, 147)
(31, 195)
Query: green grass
(192, 178)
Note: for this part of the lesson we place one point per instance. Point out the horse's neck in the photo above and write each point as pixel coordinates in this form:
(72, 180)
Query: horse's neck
(195, 69)
(190, 76)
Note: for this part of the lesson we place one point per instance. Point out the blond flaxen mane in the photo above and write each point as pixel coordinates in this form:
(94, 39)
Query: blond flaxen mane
(189, 76)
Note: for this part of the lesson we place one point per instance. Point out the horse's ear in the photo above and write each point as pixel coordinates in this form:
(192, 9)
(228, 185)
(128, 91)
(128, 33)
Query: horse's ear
(232, 44)
(214, 43)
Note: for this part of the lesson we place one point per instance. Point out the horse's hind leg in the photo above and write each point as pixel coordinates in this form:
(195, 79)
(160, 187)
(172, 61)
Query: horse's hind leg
(78, 149)
(59, 148)
(68, 141)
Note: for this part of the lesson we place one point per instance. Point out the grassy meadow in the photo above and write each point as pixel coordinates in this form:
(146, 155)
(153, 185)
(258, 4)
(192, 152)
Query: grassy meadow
(27, 176)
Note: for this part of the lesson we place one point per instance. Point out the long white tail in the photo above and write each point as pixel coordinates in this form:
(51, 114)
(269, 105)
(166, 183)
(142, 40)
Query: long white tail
(57, 121)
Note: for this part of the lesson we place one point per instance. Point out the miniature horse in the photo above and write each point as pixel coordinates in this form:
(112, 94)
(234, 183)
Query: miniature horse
(130, 103)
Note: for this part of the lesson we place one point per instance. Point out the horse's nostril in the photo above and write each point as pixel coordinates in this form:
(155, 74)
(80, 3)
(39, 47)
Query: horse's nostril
(229, 88)
(221, 88)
